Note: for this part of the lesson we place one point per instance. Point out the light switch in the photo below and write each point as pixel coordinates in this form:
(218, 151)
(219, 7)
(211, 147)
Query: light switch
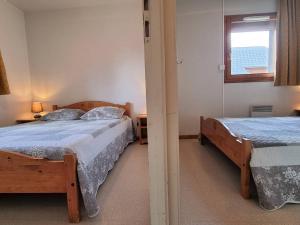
(221, 67)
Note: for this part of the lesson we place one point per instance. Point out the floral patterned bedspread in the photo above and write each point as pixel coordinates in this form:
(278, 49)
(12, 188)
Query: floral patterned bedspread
(275, 159)
(98, 145)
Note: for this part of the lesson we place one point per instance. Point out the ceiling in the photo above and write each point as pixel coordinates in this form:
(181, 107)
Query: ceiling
(43, 5)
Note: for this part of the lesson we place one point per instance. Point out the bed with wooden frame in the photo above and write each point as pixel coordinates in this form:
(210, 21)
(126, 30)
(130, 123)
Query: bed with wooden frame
(20, 173)
(237, 150)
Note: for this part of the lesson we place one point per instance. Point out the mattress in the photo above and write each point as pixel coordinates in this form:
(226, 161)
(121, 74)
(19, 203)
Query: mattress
(98, 145)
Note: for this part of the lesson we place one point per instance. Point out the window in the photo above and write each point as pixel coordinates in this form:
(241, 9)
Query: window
(250, 48)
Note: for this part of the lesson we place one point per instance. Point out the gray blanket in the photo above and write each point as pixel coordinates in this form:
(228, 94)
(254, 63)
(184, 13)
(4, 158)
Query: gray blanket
(275, 160)
(266, 132)
(97, 144)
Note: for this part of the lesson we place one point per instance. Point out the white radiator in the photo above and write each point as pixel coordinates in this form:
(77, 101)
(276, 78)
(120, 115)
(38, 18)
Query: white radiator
(261, 111)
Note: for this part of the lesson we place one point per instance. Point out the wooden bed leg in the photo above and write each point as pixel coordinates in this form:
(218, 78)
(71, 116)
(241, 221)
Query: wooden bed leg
(202, 138)
(70, 161)
(245, 169)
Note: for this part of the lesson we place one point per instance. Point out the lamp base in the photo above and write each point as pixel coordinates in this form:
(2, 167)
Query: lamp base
(37, 116)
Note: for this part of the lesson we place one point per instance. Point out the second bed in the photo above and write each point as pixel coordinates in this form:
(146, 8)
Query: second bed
(267, 148)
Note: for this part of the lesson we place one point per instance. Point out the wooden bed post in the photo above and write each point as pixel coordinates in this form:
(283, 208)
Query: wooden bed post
(128, 109)
(70, 162)
(245, 168)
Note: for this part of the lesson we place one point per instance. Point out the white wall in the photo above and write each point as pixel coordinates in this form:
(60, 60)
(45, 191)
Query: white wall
(13, 45)
(233, 7)
(238, 97)
(88, 54)
(199, 26)
(200, 36)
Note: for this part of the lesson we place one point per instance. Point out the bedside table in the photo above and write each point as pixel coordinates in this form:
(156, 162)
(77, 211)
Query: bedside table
(25, 121)
(142, 129)
(297, 112)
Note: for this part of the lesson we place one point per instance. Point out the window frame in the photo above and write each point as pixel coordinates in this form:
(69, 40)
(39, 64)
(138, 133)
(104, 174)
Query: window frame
(240, 78)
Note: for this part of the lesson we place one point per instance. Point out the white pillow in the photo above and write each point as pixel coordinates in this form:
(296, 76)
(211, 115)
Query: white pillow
(104, 113)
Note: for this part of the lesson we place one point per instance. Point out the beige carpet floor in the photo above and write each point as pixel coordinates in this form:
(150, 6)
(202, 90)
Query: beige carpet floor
(209, 195)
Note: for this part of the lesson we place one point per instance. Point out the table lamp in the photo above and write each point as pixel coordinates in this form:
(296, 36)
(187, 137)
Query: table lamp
(37, 108)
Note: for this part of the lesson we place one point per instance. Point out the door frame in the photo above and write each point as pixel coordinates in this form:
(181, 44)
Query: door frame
(162, 108)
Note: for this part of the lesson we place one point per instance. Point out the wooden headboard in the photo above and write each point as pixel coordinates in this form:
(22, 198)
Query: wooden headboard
(88, 105)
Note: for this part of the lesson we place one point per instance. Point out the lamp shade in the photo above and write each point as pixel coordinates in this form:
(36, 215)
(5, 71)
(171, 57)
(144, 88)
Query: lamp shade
(36, 107)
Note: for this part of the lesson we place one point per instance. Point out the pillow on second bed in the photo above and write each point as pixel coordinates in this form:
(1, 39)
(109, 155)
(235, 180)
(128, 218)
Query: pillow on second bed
(104, 113)
(63, 114)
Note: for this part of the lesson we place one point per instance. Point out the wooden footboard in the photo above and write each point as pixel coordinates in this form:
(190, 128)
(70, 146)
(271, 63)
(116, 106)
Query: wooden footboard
(239, 151)
(23, 174)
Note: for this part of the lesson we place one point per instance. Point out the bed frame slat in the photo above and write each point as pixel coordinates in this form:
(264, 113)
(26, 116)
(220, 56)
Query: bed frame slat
(23, 174)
